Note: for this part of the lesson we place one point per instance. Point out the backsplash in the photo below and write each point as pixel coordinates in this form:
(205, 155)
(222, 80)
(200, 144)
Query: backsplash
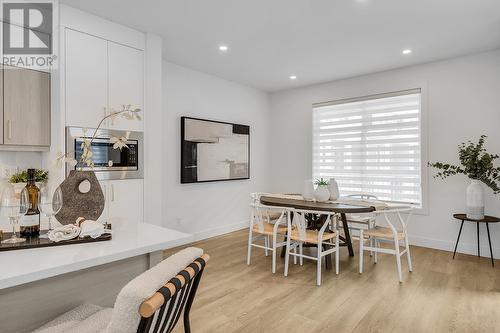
(10, 160)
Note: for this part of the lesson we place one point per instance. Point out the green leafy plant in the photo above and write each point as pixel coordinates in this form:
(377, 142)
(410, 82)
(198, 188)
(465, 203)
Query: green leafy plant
(22, 176)
(321, 182)
(476, 163)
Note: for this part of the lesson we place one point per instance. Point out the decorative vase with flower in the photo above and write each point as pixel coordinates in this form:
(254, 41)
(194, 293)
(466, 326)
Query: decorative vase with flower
(83, 193)
(321, 193)
(477, 164)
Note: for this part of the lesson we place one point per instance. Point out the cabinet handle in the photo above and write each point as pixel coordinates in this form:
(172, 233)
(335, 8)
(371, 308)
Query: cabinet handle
(9, 130)
(112, 192)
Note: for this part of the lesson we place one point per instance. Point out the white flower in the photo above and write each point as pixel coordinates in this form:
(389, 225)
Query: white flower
(119, 143)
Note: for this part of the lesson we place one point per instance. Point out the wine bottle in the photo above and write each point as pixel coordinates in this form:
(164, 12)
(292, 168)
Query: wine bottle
(30, 223)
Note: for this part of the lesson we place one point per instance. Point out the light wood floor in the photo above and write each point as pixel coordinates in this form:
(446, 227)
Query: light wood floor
(441, 295)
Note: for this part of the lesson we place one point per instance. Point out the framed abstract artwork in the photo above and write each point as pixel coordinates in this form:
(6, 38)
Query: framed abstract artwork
(214, 151)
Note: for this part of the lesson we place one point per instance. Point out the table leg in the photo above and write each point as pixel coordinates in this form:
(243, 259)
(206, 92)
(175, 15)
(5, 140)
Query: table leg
(489, 241)
(458, 238)
(347, 235)
(478, 252)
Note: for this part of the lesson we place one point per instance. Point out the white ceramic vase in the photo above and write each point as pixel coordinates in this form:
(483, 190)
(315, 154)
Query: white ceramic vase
(322, 193)
(475, 200)
(333, 188)
(308, 190)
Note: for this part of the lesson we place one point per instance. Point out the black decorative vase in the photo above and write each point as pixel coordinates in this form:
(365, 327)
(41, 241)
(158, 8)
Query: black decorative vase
(82, 197)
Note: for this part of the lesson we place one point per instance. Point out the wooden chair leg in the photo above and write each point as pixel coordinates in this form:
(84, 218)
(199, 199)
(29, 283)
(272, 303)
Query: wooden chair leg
(318, 265)
(361, 241)
(398, 260)
(301, 252)
(274, 254)
(249, 252)
(408, 256)
(287, 256)
(337, 254)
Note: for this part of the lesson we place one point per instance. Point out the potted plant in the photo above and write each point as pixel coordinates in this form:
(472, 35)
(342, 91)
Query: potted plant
(19, 179)
(477, 164)
(321, 193)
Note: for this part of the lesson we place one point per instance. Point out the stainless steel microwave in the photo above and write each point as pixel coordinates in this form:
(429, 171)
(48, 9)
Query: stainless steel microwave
(109, 163)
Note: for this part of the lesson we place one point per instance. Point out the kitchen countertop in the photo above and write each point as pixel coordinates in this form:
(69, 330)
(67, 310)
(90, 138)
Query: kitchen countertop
(23, 266)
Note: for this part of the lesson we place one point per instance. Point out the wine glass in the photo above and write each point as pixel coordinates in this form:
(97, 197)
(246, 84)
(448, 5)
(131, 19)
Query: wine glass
(50, 203)
(13, 206)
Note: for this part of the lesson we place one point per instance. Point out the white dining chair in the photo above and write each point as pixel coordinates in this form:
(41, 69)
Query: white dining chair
(360, 221)
(263, 227)
(298, 235)
(395, 233)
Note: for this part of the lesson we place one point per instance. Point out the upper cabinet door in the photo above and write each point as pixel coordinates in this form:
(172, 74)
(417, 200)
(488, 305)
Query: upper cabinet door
(126, 84)
(26, 107)
(86, 79)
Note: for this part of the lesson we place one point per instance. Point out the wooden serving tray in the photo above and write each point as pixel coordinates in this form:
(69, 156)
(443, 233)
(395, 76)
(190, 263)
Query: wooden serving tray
(35, 242)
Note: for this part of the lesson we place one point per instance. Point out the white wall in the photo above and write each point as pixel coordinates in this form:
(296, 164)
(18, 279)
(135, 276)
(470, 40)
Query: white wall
(463, 102)
(207, 209)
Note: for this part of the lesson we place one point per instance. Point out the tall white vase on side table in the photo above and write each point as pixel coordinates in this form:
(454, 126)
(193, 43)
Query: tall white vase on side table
(308, 190)
(333, 188)
(475, 200)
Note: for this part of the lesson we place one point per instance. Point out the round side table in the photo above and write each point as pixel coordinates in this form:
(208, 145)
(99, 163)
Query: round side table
(487, 220)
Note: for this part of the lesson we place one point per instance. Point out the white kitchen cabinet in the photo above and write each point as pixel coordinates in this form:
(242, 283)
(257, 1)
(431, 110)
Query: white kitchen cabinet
(86, 79)
(126, 83)
(124, 201)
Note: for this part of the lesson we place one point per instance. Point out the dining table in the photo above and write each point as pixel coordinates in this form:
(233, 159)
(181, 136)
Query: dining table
(340, 207)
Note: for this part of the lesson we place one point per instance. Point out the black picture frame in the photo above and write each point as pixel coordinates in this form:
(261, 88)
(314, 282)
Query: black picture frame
(185, 177)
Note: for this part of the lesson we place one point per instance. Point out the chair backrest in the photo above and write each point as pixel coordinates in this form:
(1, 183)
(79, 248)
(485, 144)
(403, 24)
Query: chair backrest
(363, 196)
(260, 215)
(160, 312)
(395, 212)
(297, 219)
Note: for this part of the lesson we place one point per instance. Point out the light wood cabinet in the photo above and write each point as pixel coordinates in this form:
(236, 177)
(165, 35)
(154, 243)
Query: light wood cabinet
(126, 83)
(26, 107)
(86, 79)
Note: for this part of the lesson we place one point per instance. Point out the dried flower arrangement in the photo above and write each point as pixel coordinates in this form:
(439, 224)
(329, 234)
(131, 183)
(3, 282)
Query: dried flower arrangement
(126, 111)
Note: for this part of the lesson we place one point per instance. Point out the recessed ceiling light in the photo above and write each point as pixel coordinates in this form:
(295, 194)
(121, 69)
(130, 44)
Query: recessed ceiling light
(407, 51)
(223, 48)
(293, 77)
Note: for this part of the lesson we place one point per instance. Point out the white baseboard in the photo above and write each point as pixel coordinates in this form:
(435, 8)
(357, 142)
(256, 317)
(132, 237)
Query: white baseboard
(466, 248)
(209, 233)
(438, 244)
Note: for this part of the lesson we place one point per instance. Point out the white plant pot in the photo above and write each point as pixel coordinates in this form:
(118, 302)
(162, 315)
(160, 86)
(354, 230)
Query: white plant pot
(333, 188)
(475, 200)
(322, 193)
(308, 190)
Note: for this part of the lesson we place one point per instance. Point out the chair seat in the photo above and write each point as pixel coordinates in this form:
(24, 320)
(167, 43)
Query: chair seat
(360, 220)
(311, 236)
(383, 232)
(274, 215)
(269, 229)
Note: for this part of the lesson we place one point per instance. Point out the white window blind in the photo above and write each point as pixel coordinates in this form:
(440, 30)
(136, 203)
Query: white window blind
(371, 145)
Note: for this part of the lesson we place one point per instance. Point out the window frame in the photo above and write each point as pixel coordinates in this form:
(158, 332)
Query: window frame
(371, 94)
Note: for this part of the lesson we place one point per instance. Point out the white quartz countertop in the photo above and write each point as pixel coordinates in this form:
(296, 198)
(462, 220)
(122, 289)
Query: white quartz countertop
(23, 266)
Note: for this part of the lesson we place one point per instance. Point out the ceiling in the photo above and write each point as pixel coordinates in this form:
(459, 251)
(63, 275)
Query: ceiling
(316, 40)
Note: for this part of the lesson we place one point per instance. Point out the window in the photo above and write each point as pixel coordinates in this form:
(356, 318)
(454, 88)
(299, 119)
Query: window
(371, 145)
